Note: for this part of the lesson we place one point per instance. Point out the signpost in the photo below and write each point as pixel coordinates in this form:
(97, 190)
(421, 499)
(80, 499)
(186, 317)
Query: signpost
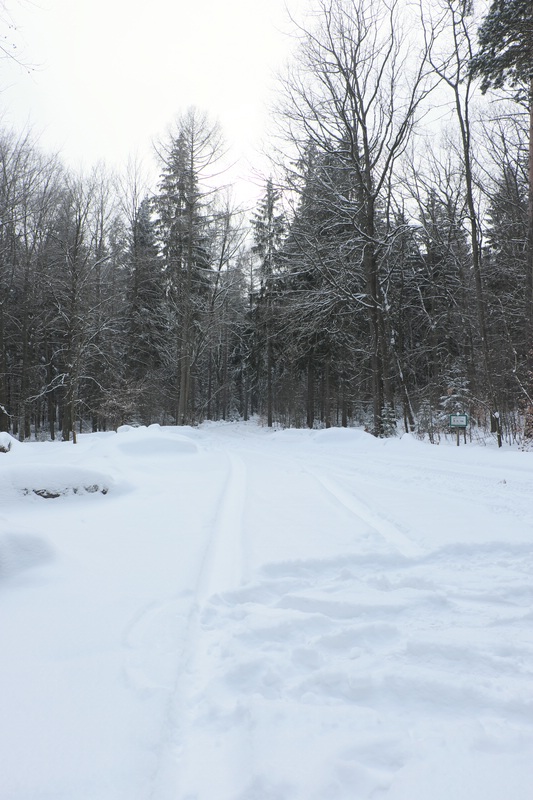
(459, 422)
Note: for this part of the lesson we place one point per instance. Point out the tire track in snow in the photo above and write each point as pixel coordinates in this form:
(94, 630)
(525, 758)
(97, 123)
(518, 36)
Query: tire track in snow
(390, 532)
(440, 476)
(222, 566)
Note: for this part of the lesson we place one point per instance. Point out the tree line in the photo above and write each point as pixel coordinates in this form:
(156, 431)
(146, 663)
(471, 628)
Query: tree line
(385, 277)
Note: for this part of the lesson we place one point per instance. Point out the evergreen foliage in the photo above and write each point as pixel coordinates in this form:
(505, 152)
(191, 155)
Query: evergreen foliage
(505, 45)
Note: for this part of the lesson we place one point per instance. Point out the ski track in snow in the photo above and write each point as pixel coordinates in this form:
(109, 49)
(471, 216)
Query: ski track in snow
(355, 621)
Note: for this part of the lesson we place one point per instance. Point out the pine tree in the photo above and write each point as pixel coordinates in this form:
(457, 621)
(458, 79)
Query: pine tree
(506, 46)
(144, 294)
(506, 268)
(268, 227)
(183, 224)
(324, 281)
(505, 57)
(439, 295)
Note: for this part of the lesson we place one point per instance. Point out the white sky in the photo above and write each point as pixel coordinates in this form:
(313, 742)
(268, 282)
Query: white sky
(111, 75)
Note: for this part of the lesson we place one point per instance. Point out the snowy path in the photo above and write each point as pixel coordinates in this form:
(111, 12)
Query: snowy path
(257, 615)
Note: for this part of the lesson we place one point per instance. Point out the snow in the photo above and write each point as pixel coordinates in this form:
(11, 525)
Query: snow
(236, 613)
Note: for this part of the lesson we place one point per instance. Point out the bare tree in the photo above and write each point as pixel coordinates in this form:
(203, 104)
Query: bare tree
(354, 93)
(29, 184)
(451, 28)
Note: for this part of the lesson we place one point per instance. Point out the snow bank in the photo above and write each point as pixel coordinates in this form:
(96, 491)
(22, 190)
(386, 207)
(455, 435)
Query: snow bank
(140, 447)
(49, 481)
(7, 443)
(344, 437)
(154, 441)
(21, 551)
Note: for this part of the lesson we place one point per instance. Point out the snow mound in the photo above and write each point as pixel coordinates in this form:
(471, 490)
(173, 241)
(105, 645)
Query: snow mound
(292, 433)
(153, 442)
(21, 551)
(343, 436)
(406, 441)
(157, 446)
(182, 431)
(48, 482)
(7, 442)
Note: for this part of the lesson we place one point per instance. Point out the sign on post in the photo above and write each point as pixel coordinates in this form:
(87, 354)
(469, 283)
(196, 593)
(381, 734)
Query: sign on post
(459, 422)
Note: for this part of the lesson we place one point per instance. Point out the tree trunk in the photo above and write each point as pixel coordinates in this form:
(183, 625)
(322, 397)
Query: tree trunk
(529, 278)
(344, 406)
(225, 392)
(375, 342)
(310, 392)
(327, 393)
(270, 391)
(4, 417)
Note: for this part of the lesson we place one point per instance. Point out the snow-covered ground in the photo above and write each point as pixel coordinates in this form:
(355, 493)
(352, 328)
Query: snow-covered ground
(233, 613)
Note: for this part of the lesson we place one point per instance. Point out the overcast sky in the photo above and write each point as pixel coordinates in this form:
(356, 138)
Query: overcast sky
(111, 75)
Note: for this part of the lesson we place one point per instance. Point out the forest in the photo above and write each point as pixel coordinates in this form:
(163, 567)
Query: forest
(384, 278)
